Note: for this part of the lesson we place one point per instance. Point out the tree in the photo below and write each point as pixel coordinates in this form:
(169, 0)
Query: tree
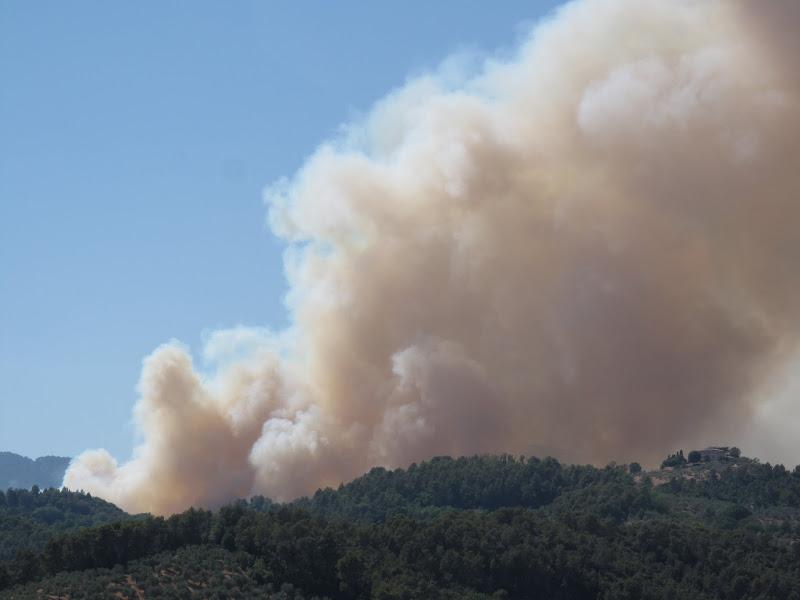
(694, 456)
(634, 468)
(735, 452)
(674, 460)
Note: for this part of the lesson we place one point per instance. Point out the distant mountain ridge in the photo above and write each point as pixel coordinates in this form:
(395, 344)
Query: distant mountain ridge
(18, 471)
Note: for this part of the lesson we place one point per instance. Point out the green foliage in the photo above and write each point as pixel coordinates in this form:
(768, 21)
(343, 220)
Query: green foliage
(515, 553)
(473, 528)
(674, 460)
(190, 572)
(28, 519)
(749, 483)
(478, 482)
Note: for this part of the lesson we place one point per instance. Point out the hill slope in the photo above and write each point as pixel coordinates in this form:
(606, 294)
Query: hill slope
(481, 527)
(30, 519)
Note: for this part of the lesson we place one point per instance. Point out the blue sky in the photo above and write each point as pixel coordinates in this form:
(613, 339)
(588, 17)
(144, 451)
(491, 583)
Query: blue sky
(135, 143)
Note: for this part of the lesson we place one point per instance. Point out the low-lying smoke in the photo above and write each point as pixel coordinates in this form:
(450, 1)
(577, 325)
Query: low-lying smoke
(590, 250)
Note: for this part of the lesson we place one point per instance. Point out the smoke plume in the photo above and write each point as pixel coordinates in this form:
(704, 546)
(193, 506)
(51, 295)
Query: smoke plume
(589, 250)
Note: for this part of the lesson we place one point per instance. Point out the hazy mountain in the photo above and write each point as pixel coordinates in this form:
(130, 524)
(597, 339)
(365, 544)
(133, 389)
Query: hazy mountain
(22, 472)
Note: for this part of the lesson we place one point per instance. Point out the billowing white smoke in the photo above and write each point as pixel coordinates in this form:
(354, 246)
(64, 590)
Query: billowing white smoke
(589, 251)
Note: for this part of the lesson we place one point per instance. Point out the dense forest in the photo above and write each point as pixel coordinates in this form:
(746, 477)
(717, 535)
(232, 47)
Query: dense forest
(479, 527)
(30, 518)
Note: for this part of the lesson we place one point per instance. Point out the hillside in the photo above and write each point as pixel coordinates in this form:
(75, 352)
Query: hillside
(479, 527)
(29, 519)
(189, 572)
(21, 472)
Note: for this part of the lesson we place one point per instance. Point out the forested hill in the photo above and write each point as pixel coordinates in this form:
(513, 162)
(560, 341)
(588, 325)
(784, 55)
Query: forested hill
(21, 472)
(29, 519)
(477, 528)
(479, 482)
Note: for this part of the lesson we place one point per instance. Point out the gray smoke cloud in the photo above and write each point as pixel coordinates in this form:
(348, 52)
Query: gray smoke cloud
(589, 250)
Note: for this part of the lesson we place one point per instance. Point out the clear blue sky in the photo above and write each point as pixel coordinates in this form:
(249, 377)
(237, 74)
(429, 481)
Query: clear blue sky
(135, 141)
